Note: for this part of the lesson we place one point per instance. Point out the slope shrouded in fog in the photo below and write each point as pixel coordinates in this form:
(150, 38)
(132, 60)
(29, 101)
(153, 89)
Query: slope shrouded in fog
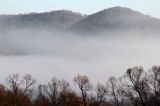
(64, 43)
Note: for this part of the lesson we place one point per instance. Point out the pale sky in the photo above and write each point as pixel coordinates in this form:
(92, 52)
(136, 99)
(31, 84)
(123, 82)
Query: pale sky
(150, 7)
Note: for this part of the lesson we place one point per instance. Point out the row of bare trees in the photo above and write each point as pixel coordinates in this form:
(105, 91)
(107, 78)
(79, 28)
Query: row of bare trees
(136, 87)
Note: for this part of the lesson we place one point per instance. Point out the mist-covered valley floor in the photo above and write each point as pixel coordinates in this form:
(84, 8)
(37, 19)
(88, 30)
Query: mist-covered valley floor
(45, 54)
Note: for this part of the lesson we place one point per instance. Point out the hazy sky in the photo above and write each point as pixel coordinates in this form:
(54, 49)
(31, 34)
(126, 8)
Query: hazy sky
(150, 7)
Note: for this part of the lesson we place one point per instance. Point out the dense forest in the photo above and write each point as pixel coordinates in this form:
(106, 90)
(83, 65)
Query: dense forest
(137, 87)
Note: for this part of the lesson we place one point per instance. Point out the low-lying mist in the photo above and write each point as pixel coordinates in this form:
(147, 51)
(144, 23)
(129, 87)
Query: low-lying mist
(45, 54)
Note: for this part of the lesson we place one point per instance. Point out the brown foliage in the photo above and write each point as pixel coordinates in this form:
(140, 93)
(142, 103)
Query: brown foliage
(135, 88)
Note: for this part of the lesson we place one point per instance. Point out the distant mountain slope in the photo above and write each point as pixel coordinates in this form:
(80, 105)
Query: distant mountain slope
(117, 19)
(55, 19)
(108, 20)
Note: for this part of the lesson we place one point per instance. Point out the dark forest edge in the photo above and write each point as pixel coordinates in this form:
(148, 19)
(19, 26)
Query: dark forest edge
(137, 87)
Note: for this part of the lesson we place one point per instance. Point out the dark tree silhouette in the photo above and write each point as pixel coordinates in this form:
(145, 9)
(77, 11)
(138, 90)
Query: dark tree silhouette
(115, 91)
(20, 90)
(136, 88)
(41, 99)
(101, 92)
(84, 85)
(137, 82)
(52, 90)
(154, 81)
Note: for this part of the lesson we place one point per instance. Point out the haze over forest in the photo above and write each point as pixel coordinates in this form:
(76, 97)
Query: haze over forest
(64, 43)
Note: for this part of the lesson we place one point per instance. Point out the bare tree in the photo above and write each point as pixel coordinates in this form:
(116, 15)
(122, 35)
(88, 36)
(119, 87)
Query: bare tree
(154, 81)
(25, 84)
(64, 86)
(64, 90)
(101, 92)
(14, 82)
(41, 99)
(138, 83)
(115, 90)
(20, 89)
(28, 81)
(84, 85)
(52, 90)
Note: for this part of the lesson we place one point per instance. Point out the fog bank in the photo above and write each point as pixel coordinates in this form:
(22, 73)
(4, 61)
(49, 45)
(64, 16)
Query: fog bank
(45, 54)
